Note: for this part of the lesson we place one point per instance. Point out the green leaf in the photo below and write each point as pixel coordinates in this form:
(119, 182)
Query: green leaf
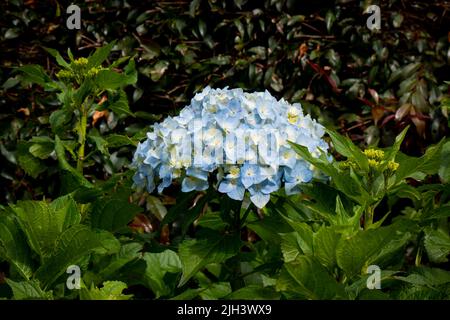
(354, 254)
(193, 7)
(444, 168)
(254, 292)
(438, 213)
(110, 245)
(41, 151)
(428, 164)
(131, 72)
(394, 149)
(325, 243)
(425, 276)
(113, 214)
(127, 253)
(290, 246)
(197, 253)
(100, 55)
(216, 291)
(345, 146)
(28, 290)
(100, 143)
(108, 79)
(65, 211)
(42, 223)
(329, 19)
(437, 245)
(59, 119)
(307, 278)
(72, 179)
(158, 70)
(156, 207)
(35, 74)
(29, 163)
(404, 73)
(304, 235)
(119, 104)
(111, 290)
(58, 57)
(70, 247)
(347, 184)
(158, 265)
(13, 246)
(80, 94)
(117, 140)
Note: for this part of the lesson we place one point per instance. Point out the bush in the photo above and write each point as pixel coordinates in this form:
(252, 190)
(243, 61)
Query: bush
(69, 133)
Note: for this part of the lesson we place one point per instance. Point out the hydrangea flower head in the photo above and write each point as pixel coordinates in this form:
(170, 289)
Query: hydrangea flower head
(241, 137)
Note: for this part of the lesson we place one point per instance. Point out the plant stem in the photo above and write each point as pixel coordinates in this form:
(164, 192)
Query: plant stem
(82, 138)
(418, 256)
(237, 281)
(368, 218)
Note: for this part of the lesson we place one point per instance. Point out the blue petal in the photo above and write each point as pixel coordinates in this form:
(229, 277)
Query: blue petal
(260, 199)
(238, 193)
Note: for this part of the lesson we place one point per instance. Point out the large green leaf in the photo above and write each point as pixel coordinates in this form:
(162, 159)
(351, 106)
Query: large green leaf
(158, 265)
(425, 276)
(197, 253)
(43, 222)
(373, 246)
(35, 74)
(290, 246)
(345, 146)
(28, 290)
(119, 104)
(111, 290)
(325, 242)
(113, 214)
(307, 278)
(13, 246)
(429, 163)
(127, 253)
(437, 245)
(72, 245)
(100, 55)
(109, 79)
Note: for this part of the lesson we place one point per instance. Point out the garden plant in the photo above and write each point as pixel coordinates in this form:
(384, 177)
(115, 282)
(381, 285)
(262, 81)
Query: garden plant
(303, 156)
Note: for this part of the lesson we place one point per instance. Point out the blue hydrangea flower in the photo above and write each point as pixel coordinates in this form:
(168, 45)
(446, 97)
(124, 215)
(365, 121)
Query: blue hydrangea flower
(241, 136)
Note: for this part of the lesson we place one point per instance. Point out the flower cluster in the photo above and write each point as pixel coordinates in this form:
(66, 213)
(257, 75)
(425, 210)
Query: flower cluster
(78, 71)
(241, 137)
(375, 159)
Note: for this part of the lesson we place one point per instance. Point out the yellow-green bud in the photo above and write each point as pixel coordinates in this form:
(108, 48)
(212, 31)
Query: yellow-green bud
(373, 163)
(393, 166)
(374, 154)
(81, 62)
(64, 74)
(93, 72)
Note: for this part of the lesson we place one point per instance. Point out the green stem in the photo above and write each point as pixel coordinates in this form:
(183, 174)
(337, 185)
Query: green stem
(418, 256)
(82, 138)
(237, 281)
(368, 218)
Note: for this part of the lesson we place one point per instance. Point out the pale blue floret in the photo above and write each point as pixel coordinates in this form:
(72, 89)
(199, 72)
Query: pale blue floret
(191, 183)
(296, 176)
(233, 188)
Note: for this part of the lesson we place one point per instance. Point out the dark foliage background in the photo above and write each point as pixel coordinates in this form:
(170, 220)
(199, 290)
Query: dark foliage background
(369, 85)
